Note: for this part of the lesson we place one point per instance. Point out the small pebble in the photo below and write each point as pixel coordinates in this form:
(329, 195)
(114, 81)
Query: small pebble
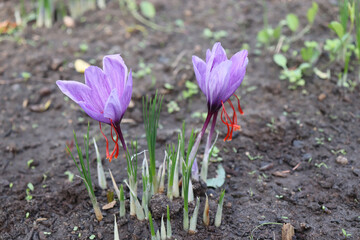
(69, 22)
(342, 160)
(321, 97)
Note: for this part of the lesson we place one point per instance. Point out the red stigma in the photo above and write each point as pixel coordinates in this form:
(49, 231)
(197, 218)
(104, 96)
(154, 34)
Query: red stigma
(231, 123)
(115, 151)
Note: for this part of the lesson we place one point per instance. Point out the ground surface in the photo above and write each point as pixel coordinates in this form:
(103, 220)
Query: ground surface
(304, 129)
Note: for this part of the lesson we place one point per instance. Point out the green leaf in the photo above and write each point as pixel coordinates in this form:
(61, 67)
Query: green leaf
(147, 9)
(220, 34)
(337, 28)
(280, 60)
(277, 32)
(311, 13)
(207, 33)
(292, 21)
(219, 180)
(30, 186)
(263, 37)
(307, 53)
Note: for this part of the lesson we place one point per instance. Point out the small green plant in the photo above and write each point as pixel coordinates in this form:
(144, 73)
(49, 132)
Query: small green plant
(147, 9)
(294, 76)
(168, 223)
(252, 158)
(271, 125)
(191, 89)
(122, 201)
(151, 115)
(152, 230)
(26, 75)
(116, 229)
(346, 235)
(30, 188)
(186, 170)
(319, 165)
(319, 141)
(70, 175)
(341, 151)
(311, 52)
(83, 47)
(29, 163)
(219, 209)
(172, 106)
(100, 169)
(268, 35)
(84, 171)
(216, 36)
(144, 70)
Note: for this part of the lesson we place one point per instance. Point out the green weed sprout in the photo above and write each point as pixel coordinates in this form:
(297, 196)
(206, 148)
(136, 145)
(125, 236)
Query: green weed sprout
(346, 235)
(193, 220)
(163, 229)
(293, 22)
(168, 223)
(151, 114)
(100, 169)
(139, 211)
(293, 75)
(116, 229)
(153, 235)
(44, 13)
(84, 171)
(268, 35)
(219, 209)
(357, 27)
(122, 201)
(172, 166)
(161, 176)
(132, 160)
(146, 186)
(186, 171)
(342, 48)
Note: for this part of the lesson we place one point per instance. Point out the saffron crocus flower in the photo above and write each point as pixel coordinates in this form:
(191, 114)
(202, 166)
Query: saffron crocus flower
(218, 78)
(105, 96)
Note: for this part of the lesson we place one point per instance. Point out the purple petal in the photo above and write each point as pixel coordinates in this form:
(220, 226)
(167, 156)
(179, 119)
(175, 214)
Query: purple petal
(94, 114)
(238, 69)
(116, 71)
(218, 83)
(208, 55)
(96, 79)
(126, 97)
(200, 69)
(113, 109)
(237, 73)
(76, 91)
(220, 54)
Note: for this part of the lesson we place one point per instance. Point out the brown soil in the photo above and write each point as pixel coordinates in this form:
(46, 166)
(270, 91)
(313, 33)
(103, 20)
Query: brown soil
(319, 198)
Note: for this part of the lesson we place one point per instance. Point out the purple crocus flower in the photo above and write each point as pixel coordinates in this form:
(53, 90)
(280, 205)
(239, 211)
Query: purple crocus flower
(105, 95)
(219, 78)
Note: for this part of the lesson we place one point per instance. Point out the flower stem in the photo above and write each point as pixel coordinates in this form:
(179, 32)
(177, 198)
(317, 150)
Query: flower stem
(205, 163)
(200, 135)
(118, 129)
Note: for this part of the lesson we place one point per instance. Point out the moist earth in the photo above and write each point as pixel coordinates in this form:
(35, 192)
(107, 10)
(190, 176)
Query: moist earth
(286, 165)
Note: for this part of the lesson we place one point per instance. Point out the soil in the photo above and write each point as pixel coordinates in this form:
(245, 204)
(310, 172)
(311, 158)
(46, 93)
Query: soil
(284, 128)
